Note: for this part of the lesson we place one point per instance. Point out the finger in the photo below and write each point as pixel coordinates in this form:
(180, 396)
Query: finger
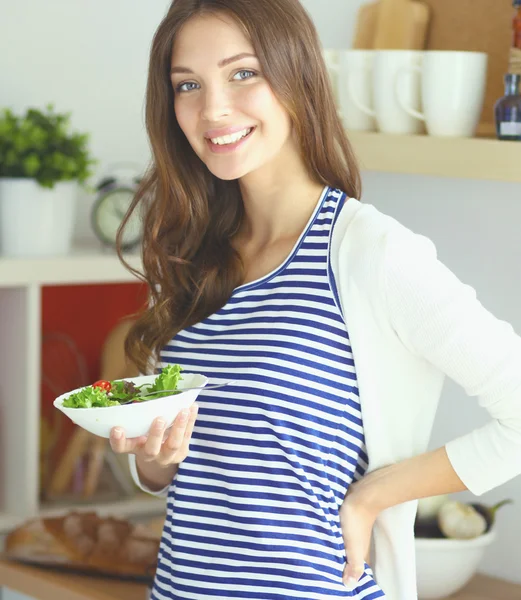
(119, 443)
(353, 570)
(194, 409)
(177, 434)
(152, 446)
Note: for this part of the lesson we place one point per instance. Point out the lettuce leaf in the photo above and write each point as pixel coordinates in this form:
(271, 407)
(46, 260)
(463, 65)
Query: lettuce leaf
(89, 397)
(166, 380)
(124, 391)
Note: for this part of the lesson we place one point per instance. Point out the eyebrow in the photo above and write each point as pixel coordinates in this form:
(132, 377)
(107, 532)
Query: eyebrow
(221, 64)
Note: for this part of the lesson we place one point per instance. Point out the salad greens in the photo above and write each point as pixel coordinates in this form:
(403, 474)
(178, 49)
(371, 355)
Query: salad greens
(114, 393)
(166, 380)
(89, 397)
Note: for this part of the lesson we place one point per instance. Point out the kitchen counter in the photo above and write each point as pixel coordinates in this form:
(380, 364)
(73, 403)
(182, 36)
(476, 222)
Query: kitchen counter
(488, 588)
(43, 584)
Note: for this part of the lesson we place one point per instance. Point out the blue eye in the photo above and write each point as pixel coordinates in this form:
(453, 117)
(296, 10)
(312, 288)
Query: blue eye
(190, 86)
(250, 74)
(182, 87)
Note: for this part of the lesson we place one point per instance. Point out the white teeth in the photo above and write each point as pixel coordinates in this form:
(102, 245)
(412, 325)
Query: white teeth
(231, 139)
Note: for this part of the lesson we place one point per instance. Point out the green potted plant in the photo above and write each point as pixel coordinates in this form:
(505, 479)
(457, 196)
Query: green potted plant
(42, 164)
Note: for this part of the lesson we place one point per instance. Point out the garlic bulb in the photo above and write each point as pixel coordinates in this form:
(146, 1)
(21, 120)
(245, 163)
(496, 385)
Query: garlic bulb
(461, 521)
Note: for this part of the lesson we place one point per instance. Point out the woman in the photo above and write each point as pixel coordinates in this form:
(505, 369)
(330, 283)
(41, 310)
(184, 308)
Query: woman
(336, 323)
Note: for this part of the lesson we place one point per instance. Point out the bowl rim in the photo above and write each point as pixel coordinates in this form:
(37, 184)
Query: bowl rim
(453, 543)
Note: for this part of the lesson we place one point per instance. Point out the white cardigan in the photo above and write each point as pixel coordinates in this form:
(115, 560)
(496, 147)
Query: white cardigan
(411, 322)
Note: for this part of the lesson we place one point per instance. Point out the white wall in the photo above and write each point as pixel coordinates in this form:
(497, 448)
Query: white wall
(91, 58)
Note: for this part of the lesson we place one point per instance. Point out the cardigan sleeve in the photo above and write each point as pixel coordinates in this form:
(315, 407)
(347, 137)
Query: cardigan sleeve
(135, 476)
(440, 319)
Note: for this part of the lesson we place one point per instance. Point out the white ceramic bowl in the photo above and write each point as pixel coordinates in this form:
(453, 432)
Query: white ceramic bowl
(135, 419)
(444, 566)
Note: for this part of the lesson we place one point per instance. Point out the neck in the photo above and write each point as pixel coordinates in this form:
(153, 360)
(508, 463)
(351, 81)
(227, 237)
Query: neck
(277, 202)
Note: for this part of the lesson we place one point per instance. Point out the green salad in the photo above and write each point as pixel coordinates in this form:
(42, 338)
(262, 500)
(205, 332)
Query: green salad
(104, 393)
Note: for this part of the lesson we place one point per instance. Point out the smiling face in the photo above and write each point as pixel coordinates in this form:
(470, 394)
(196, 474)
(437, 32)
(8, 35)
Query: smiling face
(223, 104)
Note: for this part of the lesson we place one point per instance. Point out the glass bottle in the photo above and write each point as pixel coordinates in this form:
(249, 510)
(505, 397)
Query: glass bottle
(508, 110)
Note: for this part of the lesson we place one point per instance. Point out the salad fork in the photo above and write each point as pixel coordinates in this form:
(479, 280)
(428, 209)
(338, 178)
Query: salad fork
(180, 390)
(200, 387)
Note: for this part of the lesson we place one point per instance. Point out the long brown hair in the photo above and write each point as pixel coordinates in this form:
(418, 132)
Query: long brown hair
(189, 215)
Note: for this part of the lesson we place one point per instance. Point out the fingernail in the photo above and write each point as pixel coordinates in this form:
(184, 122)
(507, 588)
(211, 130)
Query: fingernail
(183, 415)
(160, 423)
(117, 433)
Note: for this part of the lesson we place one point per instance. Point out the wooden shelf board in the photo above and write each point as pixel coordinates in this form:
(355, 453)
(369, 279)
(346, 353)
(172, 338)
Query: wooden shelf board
(83, 265)
(468, 158)
(46, 584)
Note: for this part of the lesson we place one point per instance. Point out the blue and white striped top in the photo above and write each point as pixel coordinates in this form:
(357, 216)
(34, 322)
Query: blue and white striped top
(253, 511)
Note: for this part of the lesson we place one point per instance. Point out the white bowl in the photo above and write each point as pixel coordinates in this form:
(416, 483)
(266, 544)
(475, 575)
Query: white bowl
(135, 419)
(445, 566)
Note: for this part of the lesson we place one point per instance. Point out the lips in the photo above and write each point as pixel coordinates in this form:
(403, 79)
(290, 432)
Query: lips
(226, 148)
(216, 133)
(244, 135)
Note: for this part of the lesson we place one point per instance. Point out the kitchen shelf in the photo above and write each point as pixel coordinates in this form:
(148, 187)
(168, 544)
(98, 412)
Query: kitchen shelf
(22, 281)
(83, 265)
(44, 584)
(467, 158)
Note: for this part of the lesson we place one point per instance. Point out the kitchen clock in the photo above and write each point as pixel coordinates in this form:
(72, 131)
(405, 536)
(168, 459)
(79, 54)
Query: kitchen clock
(114, 196)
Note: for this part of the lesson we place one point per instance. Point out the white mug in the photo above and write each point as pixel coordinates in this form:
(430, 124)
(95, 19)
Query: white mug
(355, 72)
(391, 82)
(352, 68)
(453, 91)
(331, 60)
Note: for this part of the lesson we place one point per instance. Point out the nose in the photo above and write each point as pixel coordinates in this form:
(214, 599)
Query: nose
(216, 104)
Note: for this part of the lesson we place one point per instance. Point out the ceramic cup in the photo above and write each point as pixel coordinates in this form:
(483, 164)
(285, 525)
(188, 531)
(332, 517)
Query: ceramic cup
(352, 69)
(395, 81)
(453, 87)
(331, 60)
(355, 72)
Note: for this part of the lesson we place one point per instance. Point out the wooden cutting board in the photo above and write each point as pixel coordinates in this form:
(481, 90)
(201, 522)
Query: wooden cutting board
(408, 31)
(478, 25)
(365, 26)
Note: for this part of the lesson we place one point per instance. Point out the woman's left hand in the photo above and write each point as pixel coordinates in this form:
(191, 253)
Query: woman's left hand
(357, 518)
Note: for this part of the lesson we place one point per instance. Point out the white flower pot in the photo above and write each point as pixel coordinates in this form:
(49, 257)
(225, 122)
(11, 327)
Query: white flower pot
(445, 566)
(36, 221)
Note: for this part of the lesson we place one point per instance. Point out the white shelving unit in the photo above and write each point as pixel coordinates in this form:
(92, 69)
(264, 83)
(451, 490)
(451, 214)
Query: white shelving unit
(21, 284)
(84, 265)
(22, 281)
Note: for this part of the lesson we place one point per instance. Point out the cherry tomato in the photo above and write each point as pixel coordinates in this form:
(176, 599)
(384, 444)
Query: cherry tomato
(104, 385)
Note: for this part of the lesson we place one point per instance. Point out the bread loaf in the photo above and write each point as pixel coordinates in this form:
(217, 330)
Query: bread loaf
(88, 542)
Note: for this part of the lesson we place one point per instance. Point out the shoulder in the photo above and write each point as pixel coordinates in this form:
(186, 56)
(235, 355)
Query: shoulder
(376, 257)
(363, 233)
(393, 269)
